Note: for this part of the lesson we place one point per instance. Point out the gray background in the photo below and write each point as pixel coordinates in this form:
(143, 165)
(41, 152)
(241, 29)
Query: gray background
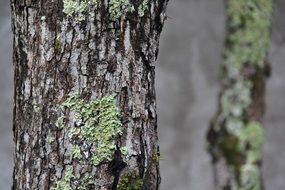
(187, 87)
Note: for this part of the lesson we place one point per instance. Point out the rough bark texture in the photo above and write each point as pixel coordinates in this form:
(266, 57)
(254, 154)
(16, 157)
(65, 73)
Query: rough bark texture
(235, 136)
(85, 68)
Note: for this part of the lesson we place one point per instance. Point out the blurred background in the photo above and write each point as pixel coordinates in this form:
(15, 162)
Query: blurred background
(187, 87)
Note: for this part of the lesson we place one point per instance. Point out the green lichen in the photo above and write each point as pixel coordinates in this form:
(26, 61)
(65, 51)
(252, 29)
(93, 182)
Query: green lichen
(118, 7)
(235, 99)
(238, 138)
(70, 7)
(43, 18)
(87, 181)
(50, 139)
(130, 181)
(243, 153)
(143, 7)
(251, 141)
(76, 152)
(245, 147)
(250, 177)
(65, 182)
(99, 122)
(36, 108)
(73, 132)
(245, 49)
(69, 181)
(248, 41)
(124, 151)
(60, 122)
(252, 135)
(76, 8)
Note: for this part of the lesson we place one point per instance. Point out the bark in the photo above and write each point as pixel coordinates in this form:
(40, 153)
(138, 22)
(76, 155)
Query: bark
(85, 105)
(235, 136)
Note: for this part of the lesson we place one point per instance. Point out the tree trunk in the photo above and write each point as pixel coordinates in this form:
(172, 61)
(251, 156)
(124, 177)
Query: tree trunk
(235, 136)
(85, 107)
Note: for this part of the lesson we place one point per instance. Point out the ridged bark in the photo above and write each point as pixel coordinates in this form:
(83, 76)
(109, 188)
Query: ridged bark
(235, 136)
(78, 63)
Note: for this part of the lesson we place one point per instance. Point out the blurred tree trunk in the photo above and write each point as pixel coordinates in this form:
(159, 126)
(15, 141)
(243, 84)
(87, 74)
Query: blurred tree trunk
(235, 136)
(85, 107)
